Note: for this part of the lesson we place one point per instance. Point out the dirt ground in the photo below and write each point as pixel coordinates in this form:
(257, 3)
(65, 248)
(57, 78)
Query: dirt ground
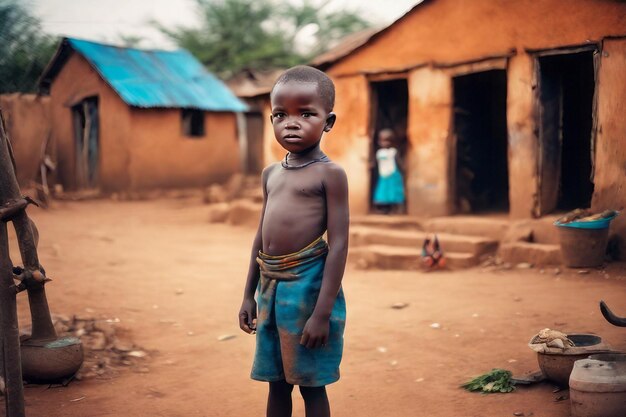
(175, 282)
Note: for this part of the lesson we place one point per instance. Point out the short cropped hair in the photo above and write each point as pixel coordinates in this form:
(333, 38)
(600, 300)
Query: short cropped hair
(306, 74)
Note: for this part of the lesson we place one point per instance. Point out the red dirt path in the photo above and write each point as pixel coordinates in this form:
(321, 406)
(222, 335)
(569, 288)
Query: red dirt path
(129, 259)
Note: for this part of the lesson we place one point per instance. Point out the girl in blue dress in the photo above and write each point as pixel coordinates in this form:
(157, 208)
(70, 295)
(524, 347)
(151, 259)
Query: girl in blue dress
(389, 192)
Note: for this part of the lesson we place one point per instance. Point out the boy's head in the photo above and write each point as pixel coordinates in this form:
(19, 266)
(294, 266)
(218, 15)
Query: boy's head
(309, 75)
(302, 101)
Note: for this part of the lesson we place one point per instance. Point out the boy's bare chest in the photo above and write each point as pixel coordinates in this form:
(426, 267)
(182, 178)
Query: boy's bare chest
(294, 185)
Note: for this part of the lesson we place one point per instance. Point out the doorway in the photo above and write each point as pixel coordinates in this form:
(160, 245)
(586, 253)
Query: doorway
(86, 138)
(566, 91)
(481, 162)
(254, 143)
(390, 104)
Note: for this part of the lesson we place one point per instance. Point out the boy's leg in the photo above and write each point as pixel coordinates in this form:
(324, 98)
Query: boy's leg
(315, 401)
(279, 399)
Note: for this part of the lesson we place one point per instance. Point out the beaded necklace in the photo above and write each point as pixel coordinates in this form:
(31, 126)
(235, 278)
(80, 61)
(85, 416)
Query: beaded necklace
(286, 165)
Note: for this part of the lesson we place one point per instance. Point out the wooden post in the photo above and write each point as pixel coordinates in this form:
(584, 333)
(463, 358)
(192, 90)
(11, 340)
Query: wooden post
(10, 361)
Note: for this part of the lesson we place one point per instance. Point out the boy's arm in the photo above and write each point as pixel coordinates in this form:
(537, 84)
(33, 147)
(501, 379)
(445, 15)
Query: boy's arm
(315, 332)
(247, 313)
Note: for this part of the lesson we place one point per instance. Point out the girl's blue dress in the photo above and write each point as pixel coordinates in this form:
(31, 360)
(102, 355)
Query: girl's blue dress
(390, 186)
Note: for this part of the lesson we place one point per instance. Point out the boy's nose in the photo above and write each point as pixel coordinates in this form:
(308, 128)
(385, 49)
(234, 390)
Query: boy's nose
(292, 124)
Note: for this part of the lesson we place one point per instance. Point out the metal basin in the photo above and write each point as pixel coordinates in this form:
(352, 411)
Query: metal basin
(51, 361)
(557, 367)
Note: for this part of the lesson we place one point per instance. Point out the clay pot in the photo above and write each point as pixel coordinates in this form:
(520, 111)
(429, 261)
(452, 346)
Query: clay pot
(598, 386)
(557, 367)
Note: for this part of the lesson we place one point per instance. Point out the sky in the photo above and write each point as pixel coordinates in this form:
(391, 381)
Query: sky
(107, 20)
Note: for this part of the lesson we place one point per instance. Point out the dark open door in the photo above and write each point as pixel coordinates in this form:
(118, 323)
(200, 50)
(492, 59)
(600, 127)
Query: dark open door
(481, 162)
(86, 132)
(566, 86)
(389, 110)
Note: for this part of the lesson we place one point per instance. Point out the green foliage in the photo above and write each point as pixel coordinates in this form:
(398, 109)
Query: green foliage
(130, 41)
(497, 380)
(260, 34)
(24, 50)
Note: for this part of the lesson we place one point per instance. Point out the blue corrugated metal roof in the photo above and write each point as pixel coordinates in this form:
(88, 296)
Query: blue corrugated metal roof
(145, 78)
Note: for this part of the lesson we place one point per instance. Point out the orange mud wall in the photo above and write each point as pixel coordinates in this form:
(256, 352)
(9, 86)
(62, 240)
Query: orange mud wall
(439, 40)
(139, 148)
(430, 114)
(610, 163)
(27, 118)
(76, 81)
(523, 142)
(449, 31)
(348, 143)
(272, 151)
(162, 156)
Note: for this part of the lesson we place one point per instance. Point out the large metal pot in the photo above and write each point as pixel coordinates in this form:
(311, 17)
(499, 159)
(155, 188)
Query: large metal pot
(557, 367)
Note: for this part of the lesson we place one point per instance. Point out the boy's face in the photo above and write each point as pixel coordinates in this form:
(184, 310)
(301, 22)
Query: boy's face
(299, 116)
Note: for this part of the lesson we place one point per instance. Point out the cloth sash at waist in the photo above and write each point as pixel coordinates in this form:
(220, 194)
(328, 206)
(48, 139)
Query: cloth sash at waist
(287, 267)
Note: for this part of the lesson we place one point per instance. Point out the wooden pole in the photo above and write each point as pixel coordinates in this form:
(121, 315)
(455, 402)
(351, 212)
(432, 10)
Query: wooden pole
(10, 361)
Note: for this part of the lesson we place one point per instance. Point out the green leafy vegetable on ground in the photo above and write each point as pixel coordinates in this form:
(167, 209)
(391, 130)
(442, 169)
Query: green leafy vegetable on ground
(496, 380)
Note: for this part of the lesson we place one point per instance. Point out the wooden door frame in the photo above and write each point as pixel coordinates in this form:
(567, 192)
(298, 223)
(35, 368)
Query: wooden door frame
(536, 55)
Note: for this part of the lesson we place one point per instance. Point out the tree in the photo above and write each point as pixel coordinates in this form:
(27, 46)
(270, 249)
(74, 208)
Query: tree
(24, 50)
(130, 41)
(260, 34)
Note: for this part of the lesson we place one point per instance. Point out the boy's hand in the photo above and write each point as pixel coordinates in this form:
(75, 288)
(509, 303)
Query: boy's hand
(315, 333)
(247, 316)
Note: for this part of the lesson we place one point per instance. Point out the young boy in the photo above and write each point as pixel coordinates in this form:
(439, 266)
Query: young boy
(295, 273)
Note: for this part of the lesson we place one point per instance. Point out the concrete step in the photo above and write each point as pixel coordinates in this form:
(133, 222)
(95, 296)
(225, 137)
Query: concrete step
(533, 253)
(387, 221)
(491, 227)
(403, 258)
(366, 235)
(543, 229)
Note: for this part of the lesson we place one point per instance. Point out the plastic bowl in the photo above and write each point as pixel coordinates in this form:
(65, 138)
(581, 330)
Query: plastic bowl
(593, 224)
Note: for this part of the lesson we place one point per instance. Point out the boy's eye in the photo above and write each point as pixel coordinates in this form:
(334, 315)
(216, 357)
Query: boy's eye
(306, 115)
(279, 115)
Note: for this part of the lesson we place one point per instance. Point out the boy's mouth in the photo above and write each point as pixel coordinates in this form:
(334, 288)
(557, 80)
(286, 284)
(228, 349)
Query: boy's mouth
(292, 138)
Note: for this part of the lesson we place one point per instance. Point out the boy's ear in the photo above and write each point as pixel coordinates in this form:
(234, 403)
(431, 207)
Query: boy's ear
(330, 121)
(272, 118)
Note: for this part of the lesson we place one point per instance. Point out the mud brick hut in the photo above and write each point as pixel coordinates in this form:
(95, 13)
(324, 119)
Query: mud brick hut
(130, 119)
(514, 107)
(27, 118)
(253, 88)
